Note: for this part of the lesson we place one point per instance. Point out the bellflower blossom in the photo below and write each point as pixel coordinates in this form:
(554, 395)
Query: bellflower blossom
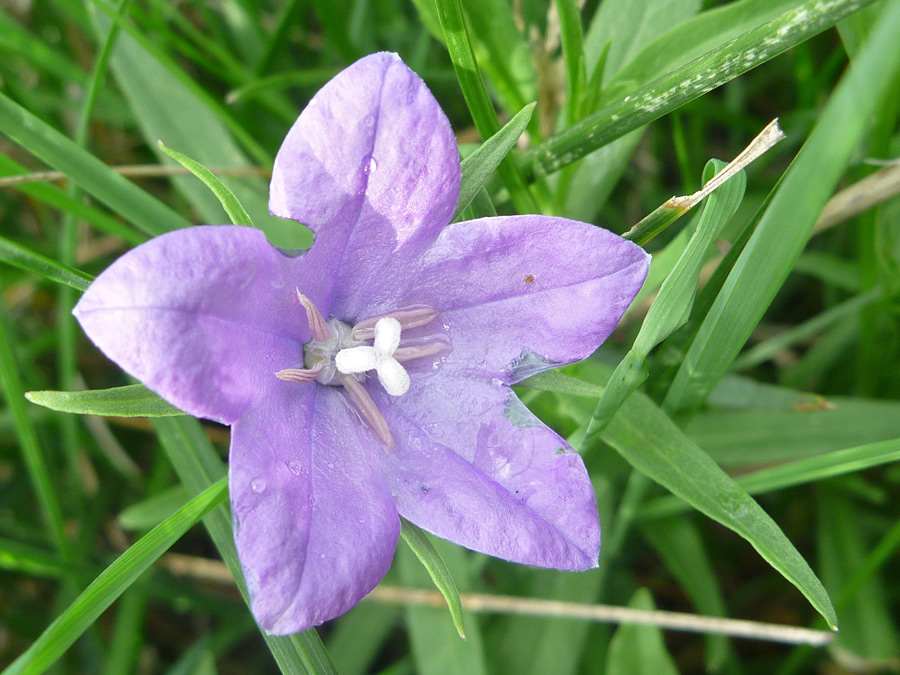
(370, 376)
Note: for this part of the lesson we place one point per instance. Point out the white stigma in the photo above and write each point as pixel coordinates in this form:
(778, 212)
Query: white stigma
(379, 357)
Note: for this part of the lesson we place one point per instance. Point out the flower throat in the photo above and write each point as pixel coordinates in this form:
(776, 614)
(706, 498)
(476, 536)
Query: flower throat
(340, 355)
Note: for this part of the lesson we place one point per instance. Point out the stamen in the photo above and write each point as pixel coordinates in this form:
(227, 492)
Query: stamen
(412, 317)
(300, 374)
(379, 358)
(367, 408)
(318, 327)
(430, 348)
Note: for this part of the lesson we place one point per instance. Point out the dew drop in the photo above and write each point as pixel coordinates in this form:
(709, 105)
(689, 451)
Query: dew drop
(372, 165)
(258, 485)
(370, 121)
(322, 556)
(295, 467)
(311, 501)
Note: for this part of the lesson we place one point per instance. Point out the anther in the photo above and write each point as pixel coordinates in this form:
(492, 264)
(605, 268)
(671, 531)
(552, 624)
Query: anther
(318, 327)
(367, 408)
(412, 317)
(300, 374)
(430, 348)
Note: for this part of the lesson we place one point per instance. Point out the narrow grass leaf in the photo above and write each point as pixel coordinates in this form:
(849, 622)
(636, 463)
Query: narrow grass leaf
(168, 105)
(772, 249)
(868, 631)
(673, 303)
(21, 257)
(133, 400)
(434, 644)
(437, 569)
(146, 213)
(618, 31)
(636, 649)
(808, 426)
(152, 511)
(502, 50)
(56, 198)
(572, 39)
(811, 327)
(800, 472)
(476, 96)
(481, 163)
(652, 443)
(679, 543)
(26, 434)
(688, 82)
(113, 581)
(223, 193)
(708, 30)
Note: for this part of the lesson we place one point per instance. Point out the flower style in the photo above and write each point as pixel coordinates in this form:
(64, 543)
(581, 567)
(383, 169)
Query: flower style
(370, 376)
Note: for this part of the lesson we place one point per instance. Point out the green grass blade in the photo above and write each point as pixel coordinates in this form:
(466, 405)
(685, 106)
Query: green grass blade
(868, 629)
(26, 433)
(646, 437)
(619, 30)
(21, 257)
(653, 444)
(482, 110)
(772, 249)
(572, 39)
(692, 38)
(113, 581)
(47, 144)
(152, 511)
(133, 400)
(686, 83)
(434, 644)
(53, 196)
(478, 166)
(673, 303)
(809, 328)
(636, 649)
(437, 569)
(229, 202)
(800, 472)
(680, 546)
(503, 51)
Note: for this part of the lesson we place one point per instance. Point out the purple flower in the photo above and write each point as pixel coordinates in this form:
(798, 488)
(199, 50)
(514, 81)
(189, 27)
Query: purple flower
(369, 377)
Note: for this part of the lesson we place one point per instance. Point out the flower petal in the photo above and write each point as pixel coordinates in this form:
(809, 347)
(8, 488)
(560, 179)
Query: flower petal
(523, 293)
(314, 522)
(203, 316)
(474, 466)
(371, 165)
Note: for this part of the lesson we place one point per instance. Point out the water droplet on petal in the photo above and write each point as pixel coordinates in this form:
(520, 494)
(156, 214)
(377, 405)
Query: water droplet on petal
(258, 485)
(370, 121)
(295, 467)
(372, 165)
(311, 501)
(322, 556)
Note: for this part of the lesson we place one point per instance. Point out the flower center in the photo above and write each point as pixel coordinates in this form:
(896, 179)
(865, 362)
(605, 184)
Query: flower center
(338, 355)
